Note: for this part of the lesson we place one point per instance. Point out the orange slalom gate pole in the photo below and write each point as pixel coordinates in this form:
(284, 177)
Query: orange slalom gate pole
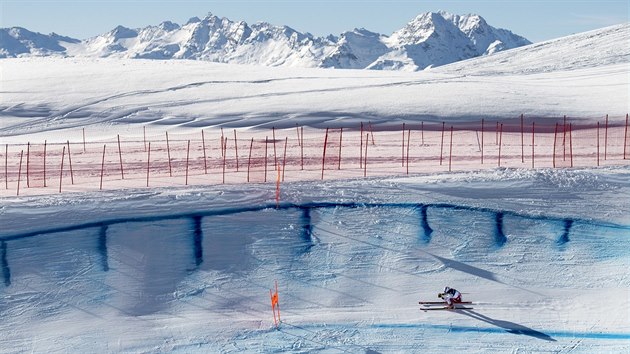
(20, 172)
(63, 155)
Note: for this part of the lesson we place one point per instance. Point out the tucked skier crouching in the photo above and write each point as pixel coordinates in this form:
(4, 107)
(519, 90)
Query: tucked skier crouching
(451, 297)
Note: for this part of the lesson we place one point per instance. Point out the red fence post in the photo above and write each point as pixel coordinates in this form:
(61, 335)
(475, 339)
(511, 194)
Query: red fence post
(20, 172)
(422, 131)
(222, 142)
(224, 157)
(555, 132)
(564, 139)
(122, 171)
(361, 147)
(324, 154)
(266, 143)
(571, 143)
(203, 146)
(249, 160)
(625, 137)
(236, 149)
(402, 160)
(533, 143)
(367, 137)
(442, 144)
(45, 163)
(284, 159)
(102, 168)
(522, 140)
(6, 166)
(408, 140)
(63, 155)
(275, 155)
(70, 162)
(450, 154)
(187, 156)
(496, 135)
(500, 143)
(606, 139)
(371, 133)
(482, 141)
(168, 151)
(598, 143)
(148, 162)
(340, 142)
(28, 162)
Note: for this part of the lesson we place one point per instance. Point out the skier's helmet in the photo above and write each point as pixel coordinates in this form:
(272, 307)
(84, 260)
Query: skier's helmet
(446, 289)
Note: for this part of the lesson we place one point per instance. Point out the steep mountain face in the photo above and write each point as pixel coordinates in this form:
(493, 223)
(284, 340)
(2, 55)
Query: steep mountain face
(431, 39)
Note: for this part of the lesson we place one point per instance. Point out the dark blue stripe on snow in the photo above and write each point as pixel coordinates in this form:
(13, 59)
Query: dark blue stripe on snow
(285, 206)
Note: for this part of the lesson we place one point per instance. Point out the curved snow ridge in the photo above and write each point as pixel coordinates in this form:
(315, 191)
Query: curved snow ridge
(518, 329)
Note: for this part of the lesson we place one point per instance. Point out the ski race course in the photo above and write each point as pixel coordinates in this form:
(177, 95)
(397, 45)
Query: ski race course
(543, 254)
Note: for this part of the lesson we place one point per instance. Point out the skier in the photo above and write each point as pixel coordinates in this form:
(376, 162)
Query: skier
(451, 297)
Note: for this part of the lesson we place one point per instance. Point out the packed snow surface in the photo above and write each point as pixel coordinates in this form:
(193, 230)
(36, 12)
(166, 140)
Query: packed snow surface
(543, 254)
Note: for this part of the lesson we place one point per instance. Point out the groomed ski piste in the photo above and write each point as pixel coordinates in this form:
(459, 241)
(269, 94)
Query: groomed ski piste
(543, 254)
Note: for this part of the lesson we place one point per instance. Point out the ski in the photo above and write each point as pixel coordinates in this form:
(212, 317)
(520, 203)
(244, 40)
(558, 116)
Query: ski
(445, 308)
(440, 302)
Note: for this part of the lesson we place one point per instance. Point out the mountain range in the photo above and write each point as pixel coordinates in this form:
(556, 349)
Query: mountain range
(430, 39)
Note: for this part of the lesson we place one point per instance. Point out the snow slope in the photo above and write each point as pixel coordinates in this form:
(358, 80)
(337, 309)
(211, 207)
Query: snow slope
(190, 94)
(427, 40)
(543, 254)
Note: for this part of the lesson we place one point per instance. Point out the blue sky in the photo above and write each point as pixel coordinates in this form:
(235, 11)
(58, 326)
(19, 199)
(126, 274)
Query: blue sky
(536, 20)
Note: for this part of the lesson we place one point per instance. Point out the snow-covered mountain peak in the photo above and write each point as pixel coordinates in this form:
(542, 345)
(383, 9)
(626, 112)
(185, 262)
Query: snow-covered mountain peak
(430, 39)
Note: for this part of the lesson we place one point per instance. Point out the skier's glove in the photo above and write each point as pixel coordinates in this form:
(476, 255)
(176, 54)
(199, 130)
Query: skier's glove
(440, 295)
